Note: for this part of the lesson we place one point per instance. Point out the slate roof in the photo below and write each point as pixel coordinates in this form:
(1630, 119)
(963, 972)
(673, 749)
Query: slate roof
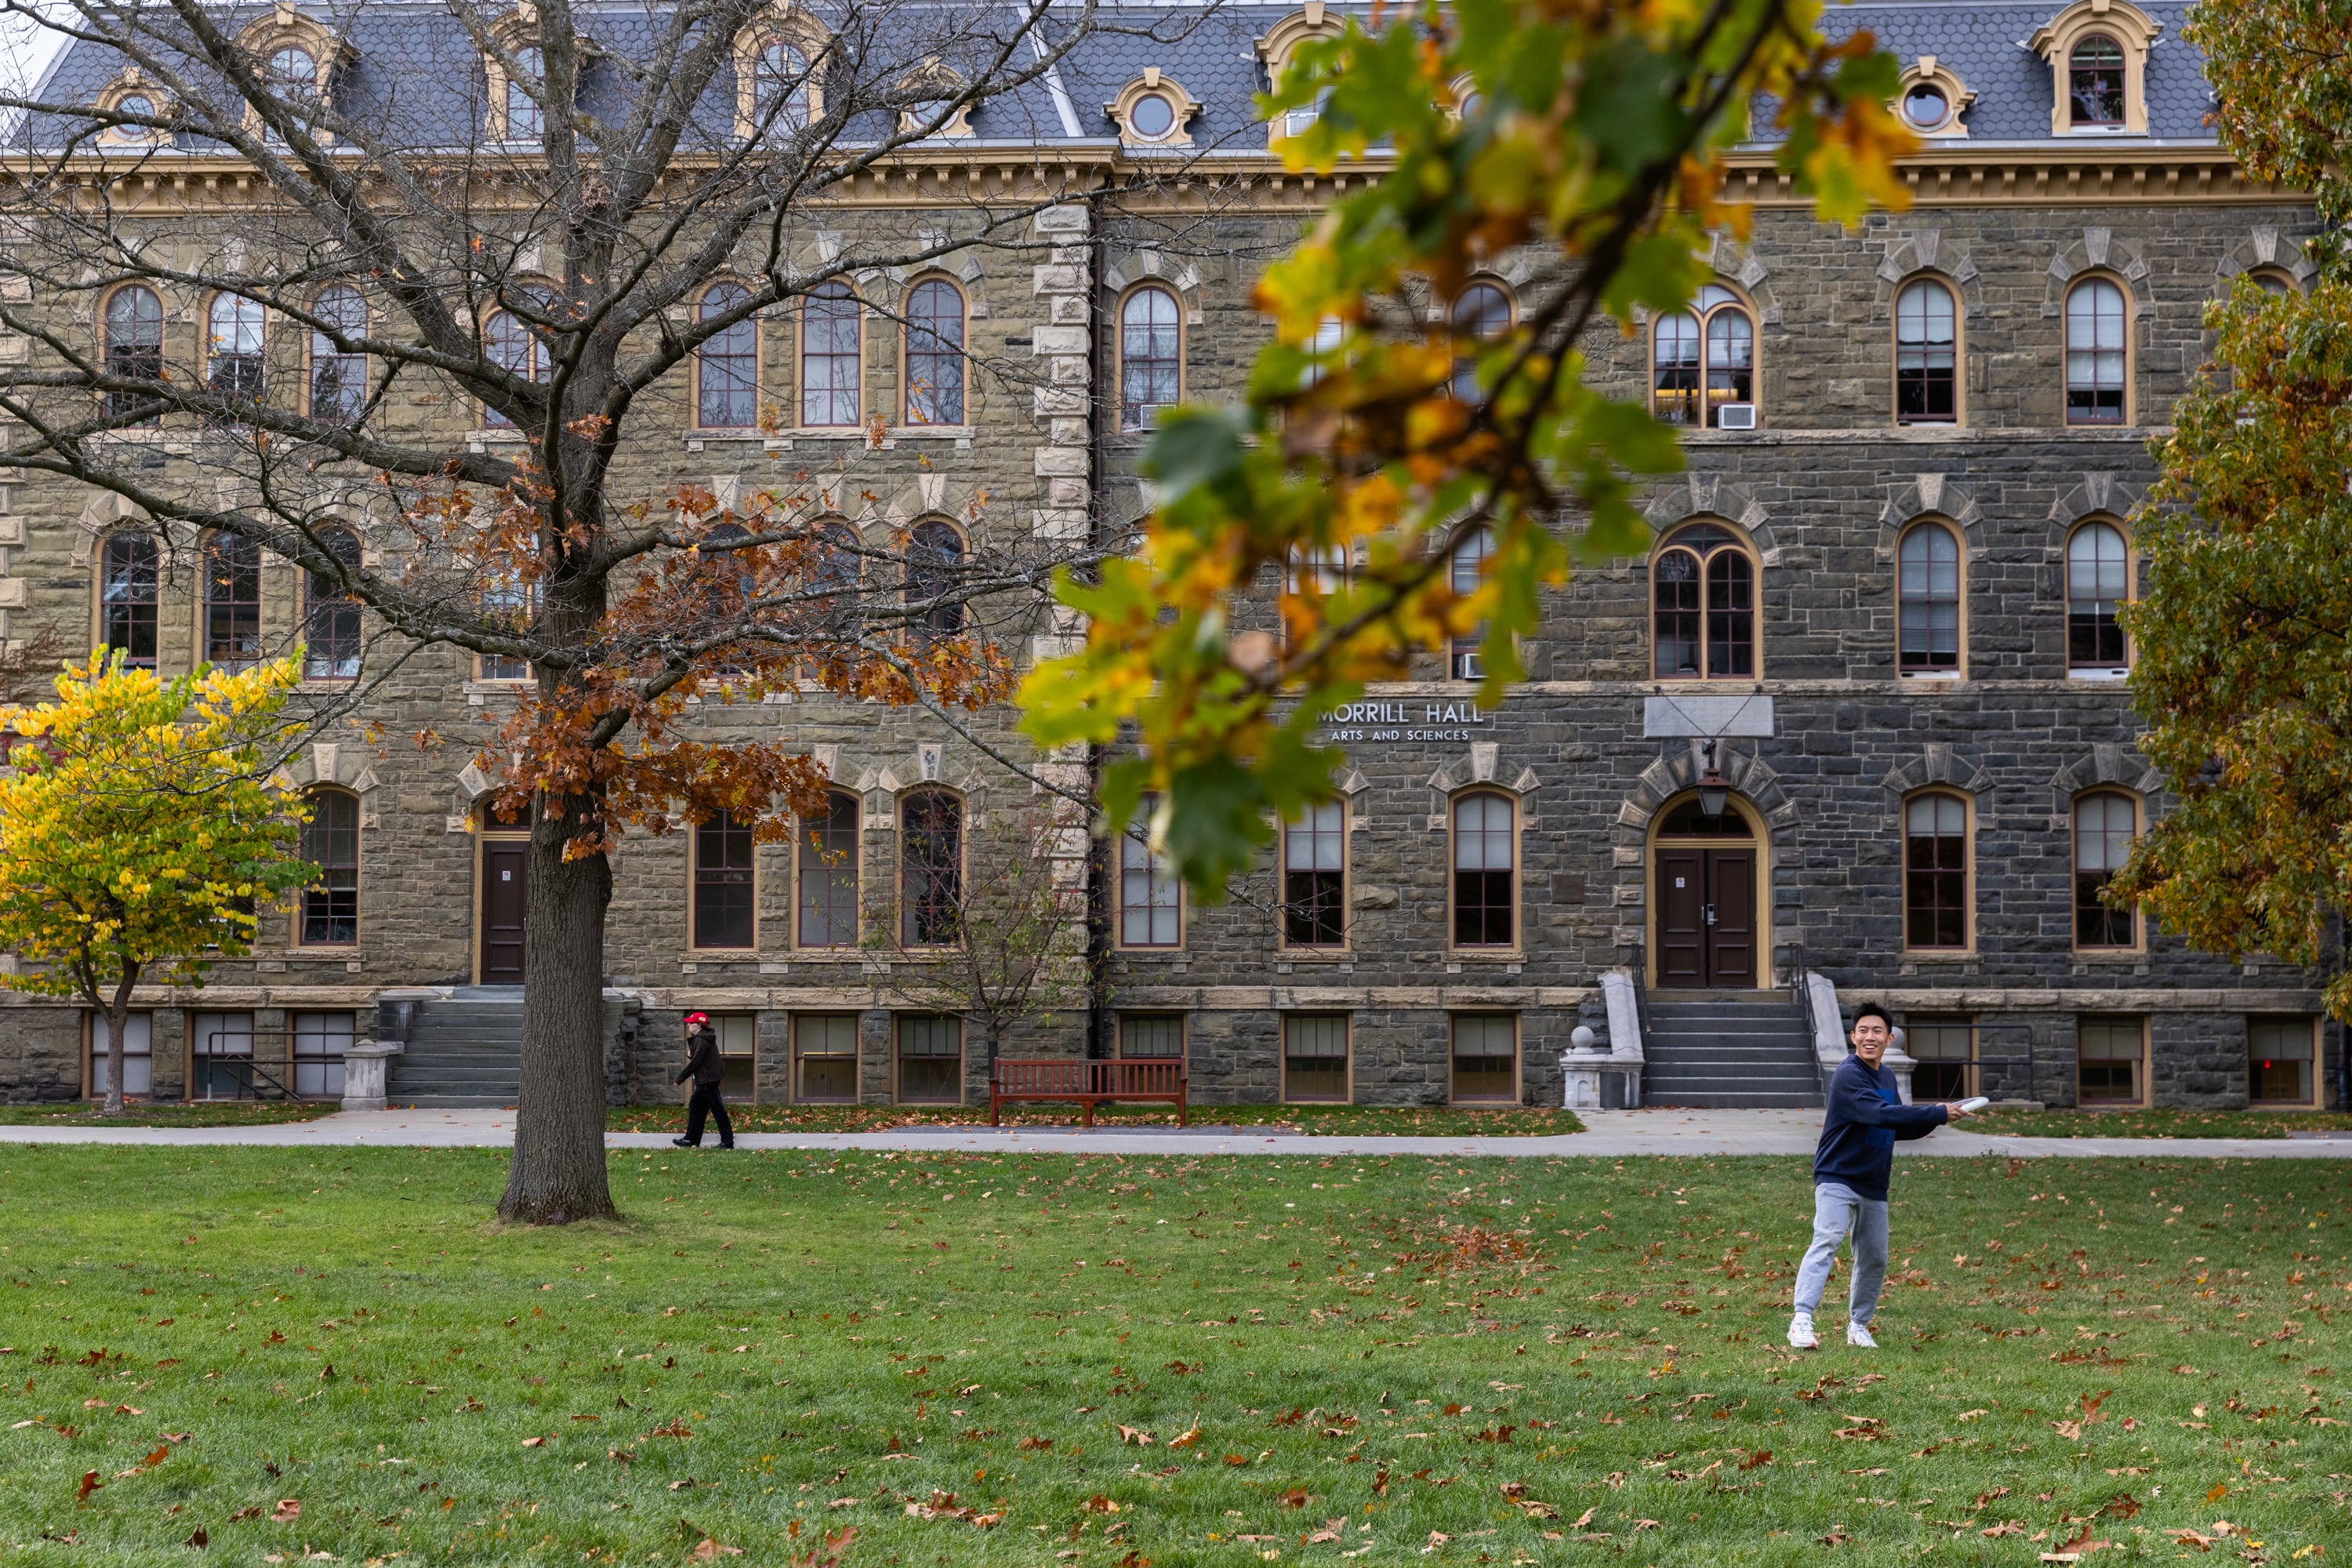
(416, 69)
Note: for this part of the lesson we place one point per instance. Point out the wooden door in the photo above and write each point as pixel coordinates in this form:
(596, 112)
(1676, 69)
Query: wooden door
(1731, 910)
(1682, 916)
(506, 904)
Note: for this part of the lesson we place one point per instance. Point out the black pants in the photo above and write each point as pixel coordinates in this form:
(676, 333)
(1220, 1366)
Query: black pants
(706, 1101)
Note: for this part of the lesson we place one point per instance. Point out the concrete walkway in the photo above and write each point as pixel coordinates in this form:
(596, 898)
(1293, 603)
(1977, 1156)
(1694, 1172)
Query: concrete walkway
(1614, 1134)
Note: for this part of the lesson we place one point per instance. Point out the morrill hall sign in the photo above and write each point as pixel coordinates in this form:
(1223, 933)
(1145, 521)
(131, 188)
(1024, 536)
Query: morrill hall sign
(1359, 723)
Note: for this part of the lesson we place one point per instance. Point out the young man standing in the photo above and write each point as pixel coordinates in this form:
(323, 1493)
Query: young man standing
(1850, 1170)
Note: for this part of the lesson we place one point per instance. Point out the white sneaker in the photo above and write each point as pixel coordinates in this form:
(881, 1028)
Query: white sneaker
(1800, 1333)
(1858, 1334)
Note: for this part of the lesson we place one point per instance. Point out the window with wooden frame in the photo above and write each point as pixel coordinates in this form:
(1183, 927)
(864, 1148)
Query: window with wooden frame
(1465, 574)
(319, 1041)
(1481, 315)
(1315, 877)
(234, 339)
(2098, 355)
(1927, 602)
(826, 849)
(220, 1056)
(526, 120)
(134, 351)
(289, 74)
(1485, 870)
(339, 379)
(232, 601)
(1151, 896)
(1315, 1057)
(833, 325)
(930, 869)
(1927, 355)
(2095, 84)
(1150, 1037)
(1486, 1054)
(1944, 1047)
(934, 567)
(129, 598)
(727, 366)
(2281, 1054)
(2097, 54)
(824, 1056)
(511, 346)
(2106, 824)
(725, 883)
(1934, 871)
(137, 1057)
(2098, 581)
(330, 841)
(1702, 616)
(2110, 1060)
(780, 87)
(330, 613)
(1703, 363)
(1150, 356)
(935, 365)
(930, 1060)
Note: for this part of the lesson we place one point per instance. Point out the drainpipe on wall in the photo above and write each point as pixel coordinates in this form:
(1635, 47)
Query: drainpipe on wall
(1099, 847)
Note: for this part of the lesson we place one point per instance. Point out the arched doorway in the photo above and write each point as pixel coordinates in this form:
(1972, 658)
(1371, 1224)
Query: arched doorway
(1707, 878)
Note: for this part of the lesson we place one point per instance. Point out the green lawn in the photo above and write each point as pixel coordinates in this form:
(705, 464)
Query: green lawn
(145, 1114)
(2157, 1123)
(1041, 1361)
(1414, 1121)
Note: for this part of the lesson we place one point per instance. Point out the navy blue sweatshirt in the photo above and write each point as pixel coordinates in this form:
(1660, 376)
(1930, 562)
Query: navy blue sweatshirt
(1865, 1117)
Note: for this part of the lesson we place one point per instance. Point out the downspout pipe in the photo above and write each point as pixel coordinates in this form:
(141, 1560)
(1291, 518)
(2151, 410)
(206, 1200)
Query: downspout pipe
(1099, 1044)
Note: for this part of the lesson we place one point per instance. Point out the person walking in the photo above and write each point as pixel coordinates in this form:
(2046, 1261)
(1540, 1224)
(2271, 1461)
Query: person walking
(703, 1065)
(1852, 1167)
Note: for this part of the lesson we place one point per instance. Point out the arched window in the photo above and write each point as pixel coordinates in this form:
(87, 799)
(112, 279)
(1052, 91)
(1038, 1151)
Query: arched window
(779, 87)
(1926, 378)
(233, 347)
(1934, 871)
(1703, 363)
(2095, 357)
(332, 630)
(330, 841)
(831, 612)
(2098, 580)
(2106, 823)
(1465, 574)
(727, 366)
(930, 869)
(1150, 908)
(2095, 81)
(1485, 880)
(2275, 283)
(127, 598)
(1482, 315)
(723, 882)
(338, 379)
(935, 354)
(292, 77)
(1315, 877)
(135, 348)
(934, 562)
(232, 601)
(1927, 605)
(1150, 357)
(829, 357)
(526, 119)
(1703, 623)
(514, 348)
(827, 853)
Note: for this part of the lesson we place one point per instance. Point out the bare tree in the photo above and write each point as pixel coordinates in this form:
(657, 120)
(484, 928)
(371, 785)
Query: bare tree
(988, 920)
(451, 277)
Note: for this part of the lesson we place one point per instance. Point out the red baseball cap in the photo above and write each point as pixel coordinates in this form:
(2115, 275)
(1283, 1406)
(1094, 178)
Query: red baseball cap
(698, 1017)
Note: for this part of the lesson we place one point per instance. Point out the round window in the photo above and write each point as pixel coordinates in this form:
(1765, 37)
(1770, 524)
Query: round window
(136, 104)
(1925, 107)
(1151, 116)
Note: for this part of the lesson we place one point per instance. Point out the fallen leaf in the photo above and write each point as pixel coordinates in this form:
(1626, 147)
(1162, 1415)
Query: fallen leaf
(1190, 1438)
(1834, 1539)
(1135, 1434)
(245, 1513)
(1584, 1519)
(200, 1537)
(1757, 1460)
(89, 1483)
(288, 1510)
(2006, 1527)
(534, 1442)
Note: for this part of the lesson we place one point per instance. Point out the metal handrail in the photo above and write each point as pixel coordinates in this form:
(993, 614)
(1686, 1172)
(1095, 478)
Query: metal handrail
(250, 1075)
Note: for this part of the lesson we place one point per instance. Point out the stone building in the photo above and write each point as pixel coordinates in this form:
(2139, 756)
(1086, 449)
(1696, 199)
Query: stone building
(1857, 727)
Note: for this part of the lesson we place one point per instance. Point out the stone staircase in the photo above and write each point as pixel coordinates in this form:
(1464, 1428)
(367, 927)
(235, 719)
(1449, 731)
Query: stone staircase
(460, 1048)
(1723, 1051)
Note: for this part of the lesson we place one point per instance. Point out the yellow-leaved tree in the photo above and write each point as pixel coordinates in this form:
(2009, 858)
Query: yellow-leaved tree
(138, 832)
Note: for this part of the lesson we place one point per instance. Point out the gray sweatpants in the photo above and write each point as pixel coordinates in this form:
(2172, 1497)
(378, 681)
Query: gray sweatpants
(1839, 1212)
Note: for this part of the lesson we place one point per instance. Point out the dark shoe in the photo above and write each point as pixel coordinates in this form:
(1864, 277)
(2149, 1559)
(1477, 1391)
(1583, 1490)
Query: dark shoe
(684, 1143)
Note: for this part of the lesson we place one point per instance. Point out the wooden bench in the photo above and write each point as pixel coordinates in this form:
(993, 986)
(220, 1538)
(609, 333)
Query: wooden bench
(1090, 1083)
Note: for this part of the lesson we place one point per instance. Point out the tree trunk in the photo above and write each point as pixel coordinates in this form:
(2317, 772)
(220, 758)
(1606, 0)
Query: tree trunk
(118, 1020)
(558, 1174)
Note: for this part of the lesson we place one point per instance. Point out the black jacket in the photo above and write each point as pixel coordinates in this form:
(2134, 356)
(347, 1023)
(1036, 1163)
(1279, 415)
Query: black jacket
(702, 1062)
(1865, 1119)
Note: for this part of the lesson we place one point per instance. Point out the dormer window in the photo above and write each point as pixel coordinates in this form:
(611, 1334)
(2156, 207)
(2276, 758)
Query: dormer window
(2097, 53)
(1933, 98)
(133, 96)
(780, 61)
(1153, 111)
(526, 121)
(1280, 45)
(295, 57)
(928, 115)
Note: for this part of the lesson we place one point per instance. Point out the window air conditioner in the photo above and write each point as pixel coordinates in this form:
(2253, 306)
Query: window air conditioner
(1736, 417)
